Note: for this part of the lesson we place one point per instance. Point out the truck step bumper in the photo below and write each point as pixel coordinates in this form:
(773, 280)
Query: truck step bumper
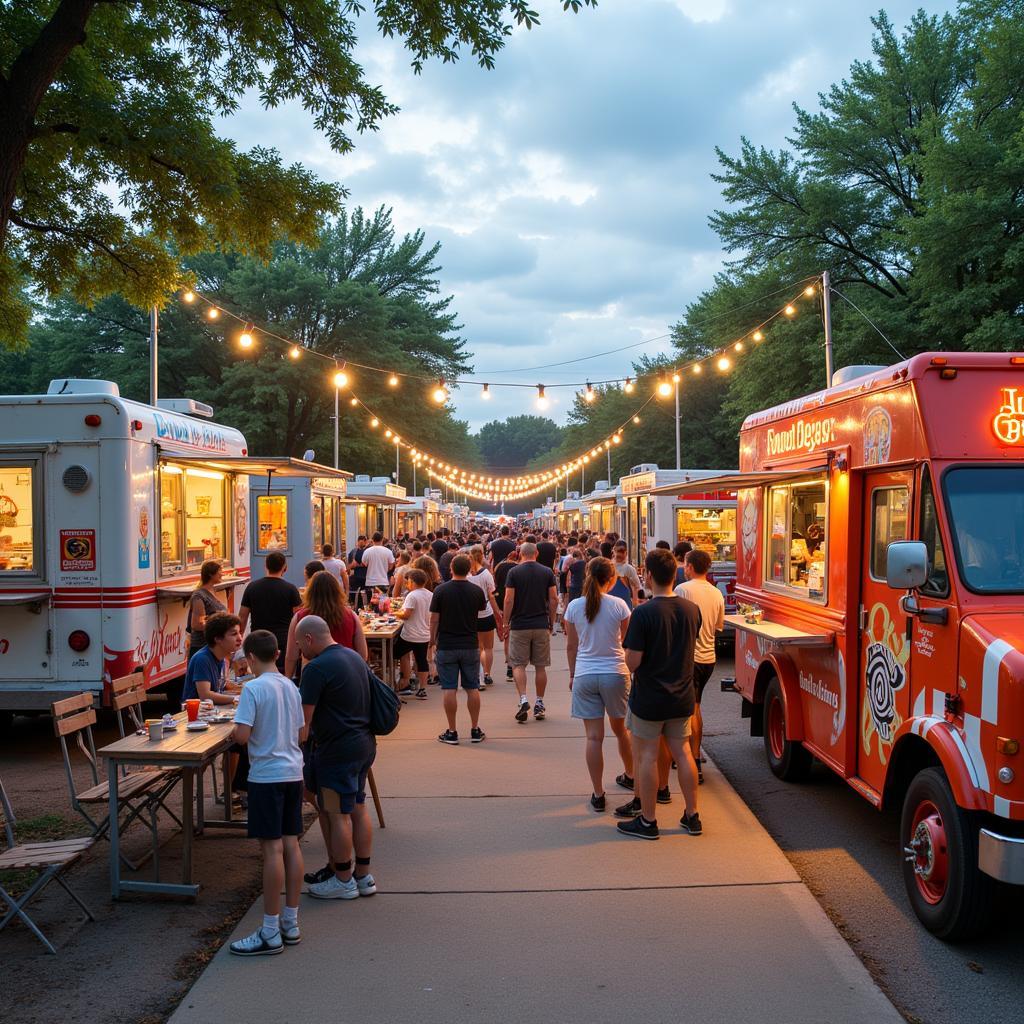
(1002, 857)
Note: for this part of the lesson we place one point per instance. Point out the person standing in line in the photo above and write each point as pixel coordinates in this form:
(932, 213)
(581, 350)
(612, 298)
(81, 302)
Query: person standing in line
(598, 677)
(203, 603)
(708, 598)
(574, 575)
(413, 640)
(269, 721)
(546, 552)
(681, 550)
(627, 586)
(378, 561)
(402, 565)
(531, 605)
(489, 620)
(659, 645)
(445, 563)
(454, 614)
(333, 564)
(439, 545)
(356, 571)
(271, 602)
(501, 547)
(501, 571)
(335, 693)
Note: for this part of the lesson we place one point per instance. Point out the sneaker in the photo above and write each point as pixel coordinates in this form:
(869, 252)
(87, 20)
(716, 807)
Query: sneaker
(477, 735)
(420, 694)
(637, 829)
(315, 877)
(538, 711)
(258, 944)
(664, 796)
(597, 803)
(691, 824)
(523, 713)
(488, 681)
(508, 673)
(433, 680)
(335, 889)
(290, 934)
(624, 781)
(366, 885)
(630, 810)
(407, 691)
(449, 737)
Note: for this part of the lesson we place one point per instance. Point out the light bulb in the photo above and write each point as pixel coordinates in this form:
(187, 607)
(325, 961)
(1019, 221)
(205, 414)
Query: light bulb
(738, 346)
(393, 381)
(664, 389)
(341, 379)
(616, 438)
(486, 393)
(758, 336)
(629, 386)
(353, 401)
(636, 420)
(189, 296)
(589, 394)
(440, 395)
(723, 364)
(295, 352)
(375, 422)
(387, 433)
(542, 401)
(245, 339)
(790, 310)
(697, 368)
(212, 313)
(809, 290)
(675, 378)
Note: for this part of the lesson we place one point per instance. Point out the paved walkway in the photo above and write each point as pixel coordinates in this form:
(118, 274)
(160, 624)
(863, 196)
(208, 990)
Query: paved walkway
(503, 898)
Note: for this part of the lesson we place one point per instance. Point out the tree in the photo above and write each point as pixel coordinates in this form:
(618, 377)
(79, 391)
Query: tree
(513, 443)
(360, 295)
(96, 94)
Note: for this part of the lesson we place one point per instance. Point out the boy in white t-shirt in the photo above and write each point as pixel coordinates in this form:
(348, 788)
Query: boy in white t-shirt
(414, 639)
(269, 719)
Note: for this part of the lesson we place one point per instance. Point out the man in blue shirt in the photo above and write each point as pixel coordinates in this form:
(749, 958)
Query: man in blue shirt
(206, 677)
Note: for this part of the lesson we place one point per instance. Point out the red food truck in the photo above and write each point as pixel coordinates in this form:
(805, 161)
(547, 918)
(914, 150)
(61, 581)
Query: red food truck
(881, 625)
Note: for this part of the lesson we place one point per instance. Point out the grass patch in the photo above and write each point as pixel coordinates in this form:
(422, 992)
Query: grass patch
(42, 829)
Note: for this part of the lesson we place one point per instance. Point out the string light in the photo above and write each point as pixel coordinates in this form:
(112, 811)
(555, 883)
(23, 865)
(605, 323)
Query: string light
(295, 352)
(542, 401)
(724, 364)
(245, 338)
(375, 423)
(738, 346)
(393, 381)
(440, 393)
(628, 386)
(485, 394)
(636, 420)
(664, 389)
(189, 296)
(697, 368)
(809, 290)
(212, 313)
(790, 310)
(757, 336)
(353, 400)
(341, 379)
(676, 378)
(590, 394)
(387, 433)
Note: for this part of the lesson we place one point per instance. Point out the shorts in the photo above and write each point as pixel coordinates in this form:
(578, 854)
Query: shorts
(596, 693)
(339, 786)
(529, 647)
(643, 729)
(418, 649)
(486, 625)
(459, 664)
(275, 809)
(701, 675)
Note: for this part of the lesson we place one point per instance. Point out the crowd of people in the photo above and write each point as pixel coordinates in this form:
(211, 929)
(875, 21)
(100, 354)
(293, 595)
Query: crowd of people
(640, 649)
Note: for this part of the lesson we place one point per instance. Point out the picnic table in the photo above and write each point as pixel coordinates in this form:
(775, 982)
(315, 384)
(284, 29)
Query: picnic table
(191, 753)
(382, 632)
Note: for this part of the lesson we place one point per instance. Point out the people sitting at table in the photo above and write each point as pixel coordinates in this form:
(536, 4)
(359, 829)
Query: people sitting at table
(207, 675)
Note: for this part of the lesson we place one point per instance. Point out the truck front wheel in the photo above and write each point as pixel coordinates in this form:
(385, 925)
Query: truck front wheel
(787, 759)
(950, 895)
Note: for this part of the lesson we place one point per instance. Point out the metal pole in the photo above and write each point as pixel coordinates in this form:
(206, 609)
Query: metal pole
(679, 463)
(335, 426)
(609, 454)
(154, 362)
(398, 464)
(414, 478)
(826, 300)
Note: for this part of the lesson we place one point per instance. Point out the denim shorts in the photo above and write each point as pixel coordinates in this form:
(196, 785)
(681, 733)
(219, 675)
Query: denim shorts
(456, 665)
(594, 694)
(645, 729)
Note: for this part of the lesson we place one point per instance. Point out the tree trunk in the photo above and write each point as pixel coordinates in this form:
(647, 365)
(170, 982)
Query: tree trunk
(32, 73)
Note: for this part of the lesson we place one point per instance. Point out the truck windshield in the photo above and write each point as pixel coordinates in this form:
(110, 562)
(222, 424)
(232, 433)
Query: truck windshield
(986, 511)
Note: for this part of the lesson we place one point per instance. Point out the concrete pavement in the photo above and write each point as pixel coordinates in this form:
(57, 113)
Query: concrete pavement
(503, 897)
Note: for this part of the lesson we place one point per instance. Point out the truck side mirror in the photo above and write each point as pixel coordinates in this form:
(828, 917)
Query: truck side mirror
(906, 564)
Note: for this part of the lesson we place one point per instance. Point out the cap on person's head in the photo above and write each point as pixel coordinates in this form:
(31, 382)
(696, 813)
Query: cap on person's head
(262, 646)
(275, 562)
(660, 566)
(461, 565)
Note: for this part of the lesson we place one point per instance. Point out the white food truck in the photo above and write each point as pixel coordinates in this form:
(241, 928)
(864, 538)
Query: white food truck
(297, 506)
(107, 510)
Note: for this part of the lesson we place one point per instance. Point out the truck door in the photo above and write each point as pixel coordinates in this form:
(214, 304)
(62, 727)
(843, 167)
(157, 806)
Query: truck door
(884, 671)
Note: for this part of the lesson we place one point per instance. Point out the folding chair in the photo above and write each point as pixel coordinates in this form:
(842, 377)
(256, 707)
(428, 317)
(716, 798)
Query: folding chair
(51, 860)
(75, 716)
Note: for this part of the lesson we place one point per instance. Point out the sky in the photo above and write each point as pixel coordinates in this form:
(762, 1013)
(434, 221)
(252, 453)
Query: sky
(570, 187)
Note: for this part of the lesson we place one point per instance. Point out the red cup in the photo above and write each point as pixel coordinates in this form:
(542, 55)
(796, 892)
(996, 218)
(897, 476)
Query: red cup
(192, 710)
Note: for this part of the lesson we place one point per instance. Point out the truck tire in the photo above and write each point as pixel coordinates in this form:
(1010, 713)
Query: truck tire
(787, 759)
(952, 898)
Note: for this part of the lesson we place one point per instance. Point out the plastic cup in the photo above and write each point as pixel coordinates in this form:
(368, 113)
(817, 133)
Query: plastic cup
(156, 730)
(192, 709)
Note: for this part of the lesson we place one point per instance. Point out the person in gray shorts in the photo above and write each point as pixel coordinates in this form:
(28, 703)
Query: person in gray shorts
(595, 625)
(531, 607)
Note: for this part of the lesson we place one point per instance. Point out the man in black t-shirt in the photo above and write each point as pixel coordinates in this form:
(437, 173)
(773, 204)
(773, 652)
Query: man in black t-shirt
(444, 564)
(356, 571)
(501, 547)
(454, 613)
(530, 607)
(546, 551)
(439, 547)
(659, 647)
(271, 602)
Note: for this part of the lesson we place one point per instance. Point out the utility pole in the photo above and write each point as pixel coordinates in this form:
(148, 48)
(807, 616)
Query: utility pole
(679, 463)
(608, 452)
(398, 465)
(336, 426)
(826, 309)
(154, 362)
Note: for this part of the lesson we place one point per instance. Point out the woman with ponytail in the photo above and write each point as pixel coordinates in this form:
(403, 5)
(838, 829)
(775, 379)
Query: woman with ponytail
(595, 626)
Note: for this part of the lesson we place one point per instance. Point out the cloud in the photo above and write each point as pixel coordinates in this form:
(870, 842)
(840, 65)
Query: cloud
(570, 187)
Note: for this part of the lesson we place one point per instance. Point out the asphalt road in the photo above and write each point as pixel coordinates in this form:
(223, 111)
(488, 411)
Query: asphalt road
(847, 854)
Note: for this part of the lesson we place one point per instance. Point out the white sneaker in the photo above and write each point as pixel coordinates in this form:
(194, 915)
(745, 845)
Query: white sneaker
(366, 885)
(290, 934)
(258, 944)
(335, 889)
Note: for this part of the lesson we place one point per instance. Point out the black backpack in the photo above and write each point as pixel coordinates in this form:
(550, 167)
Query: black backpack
(384, 707)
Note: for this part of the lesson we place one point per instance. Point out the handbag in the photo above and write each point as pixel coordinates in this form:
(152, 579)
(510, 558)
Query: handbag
(384, 707)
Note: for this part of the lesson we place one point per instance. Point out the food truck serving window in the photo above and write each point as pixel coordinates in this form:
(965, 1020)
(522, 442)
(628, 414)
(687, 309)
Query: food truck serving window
(986, 512)
(272, 522)
(797, 548)
(193, 517)
(19, 504)
(709, 529)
